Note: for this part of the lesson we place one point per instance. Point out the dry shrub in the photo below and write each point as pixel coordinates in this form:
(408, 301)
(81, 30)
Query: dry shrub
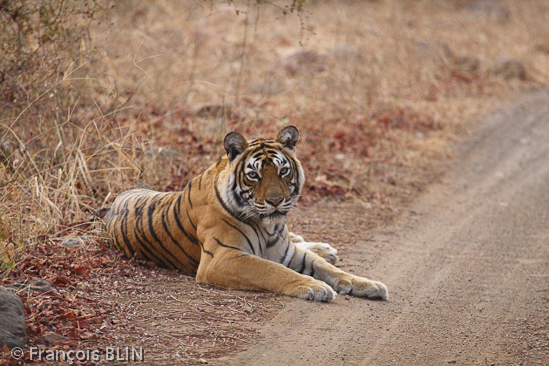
(38, 39)
(46, 180)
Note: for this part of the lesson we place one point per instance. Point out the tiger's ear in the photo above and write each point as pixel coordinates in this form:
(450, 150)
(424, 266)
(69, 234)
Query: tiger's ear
(288, 137)
(235, 144)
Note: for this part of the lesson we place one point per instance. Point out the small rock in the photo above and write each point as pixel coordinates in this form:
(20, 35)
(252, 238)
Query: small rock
(202, 361)
(13, 329)
(40, 285)
(347, 297)
(509, 68)
(35, 285)
(247, 309)
(6, 150)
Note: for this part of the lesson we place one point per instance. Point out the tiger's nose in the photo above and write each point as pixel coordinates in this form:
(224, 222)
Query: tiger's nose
(274, 201)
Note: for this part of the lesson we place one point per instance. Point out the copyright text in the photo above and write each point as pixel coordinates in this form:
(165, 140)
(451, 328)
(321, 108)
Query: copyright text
(109, 354)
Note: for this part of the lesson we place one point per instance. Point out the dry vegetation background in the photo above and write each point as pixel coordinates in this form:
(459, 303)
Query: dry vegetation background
(141, 94)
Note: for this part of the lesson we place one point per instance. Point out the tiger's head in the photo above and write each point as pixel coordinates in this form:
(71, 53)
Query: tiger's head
(262, 178)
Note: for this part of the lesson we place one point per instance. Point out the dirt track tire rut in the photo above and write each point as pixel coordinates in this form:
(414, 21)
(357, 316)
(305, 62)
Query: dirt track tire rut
(467, 266)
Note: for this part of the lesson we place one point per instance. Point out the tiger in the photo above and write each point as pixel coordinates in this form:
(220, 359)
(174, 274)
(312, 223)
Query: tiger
(228, 226)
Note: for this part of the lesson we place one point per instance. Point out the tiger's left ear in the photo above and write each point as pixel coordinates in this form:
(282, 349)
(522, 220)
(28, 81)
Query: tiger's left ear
(288, 137)
(235, 144)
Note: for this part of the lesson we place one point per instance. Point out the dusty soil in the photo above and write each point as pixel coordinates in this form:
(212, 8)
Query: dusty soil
(466, 264)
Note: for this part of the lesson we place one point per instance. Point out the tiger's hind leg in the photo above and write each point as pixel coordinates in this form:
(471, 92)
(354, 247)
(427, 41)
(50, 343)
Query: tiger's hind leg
(323, 250)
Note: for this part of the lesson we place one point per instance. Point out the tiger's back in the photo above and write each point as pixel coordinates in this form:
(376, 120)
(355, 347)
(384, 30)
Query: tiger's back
(155, 226)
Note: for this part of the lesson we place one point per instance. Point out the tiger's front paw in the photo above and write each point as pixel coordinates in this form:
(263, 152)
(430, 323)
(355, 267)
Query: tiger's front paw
(362, 287)
(314, 291)
(372, 290)
(323, 250)
(295, 238)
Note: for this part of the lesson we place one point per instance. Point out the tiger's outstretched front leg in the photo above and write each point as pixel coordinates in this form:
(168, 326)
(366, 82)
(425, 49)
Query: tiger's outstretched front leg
(308, 275)
(324, 250)
(309, 263)
(231, 267)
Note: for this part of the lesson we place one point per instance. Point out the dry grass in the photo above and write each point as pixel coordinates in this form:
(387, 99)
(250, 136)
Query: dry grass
(380, 85)
(379, 91)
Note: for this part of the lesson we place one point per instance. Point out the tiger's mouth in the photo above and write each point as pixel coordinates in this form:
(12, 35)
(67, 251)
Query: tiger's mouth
(274, 217)
(273, 212)
(267, 213)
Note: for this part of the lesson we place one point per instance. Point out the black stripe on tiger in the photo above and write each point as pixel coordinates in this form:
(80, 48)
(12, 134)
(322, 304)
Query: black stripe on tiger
(231, 212)
(244, 235)
(259, 141)
(285, 255)
(303, 263)
(192, 239)
(261, 239)
(189, 187)
(144, 247)
(176, 242)
(150, 213)
(226, 246)
(141, 234)
(176, 214)
(312, 273)
(206, 251)
(198, 240)
(190, 220)
(123, 218)
(123, 232)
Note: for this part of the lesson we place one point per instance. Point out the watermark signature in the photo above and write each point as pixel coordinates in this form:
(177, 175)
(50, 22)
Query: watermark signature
(108, 354)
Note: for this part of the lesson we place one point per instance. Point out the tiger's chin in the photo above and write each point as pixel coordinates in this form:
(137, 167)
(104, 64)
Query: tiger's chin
(276, 217)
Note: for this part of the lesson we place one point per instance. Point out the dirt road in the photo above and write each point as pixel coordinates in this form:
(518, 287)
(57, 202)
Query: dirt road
(467, 266)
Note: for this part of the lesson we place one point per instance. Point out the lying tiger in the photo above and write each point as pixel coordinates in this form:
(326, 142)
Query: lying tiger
(229, 226)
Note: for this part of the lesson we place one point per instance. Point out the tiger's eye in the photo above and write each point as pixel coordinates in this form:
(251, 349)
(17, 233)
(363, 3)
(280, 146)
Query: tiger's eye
(284, 171)
(253, 176)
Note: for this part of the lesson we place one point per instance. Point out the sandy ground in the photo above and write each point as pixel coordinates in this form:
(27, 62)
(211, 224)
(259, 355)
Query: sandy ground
(466, 263)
